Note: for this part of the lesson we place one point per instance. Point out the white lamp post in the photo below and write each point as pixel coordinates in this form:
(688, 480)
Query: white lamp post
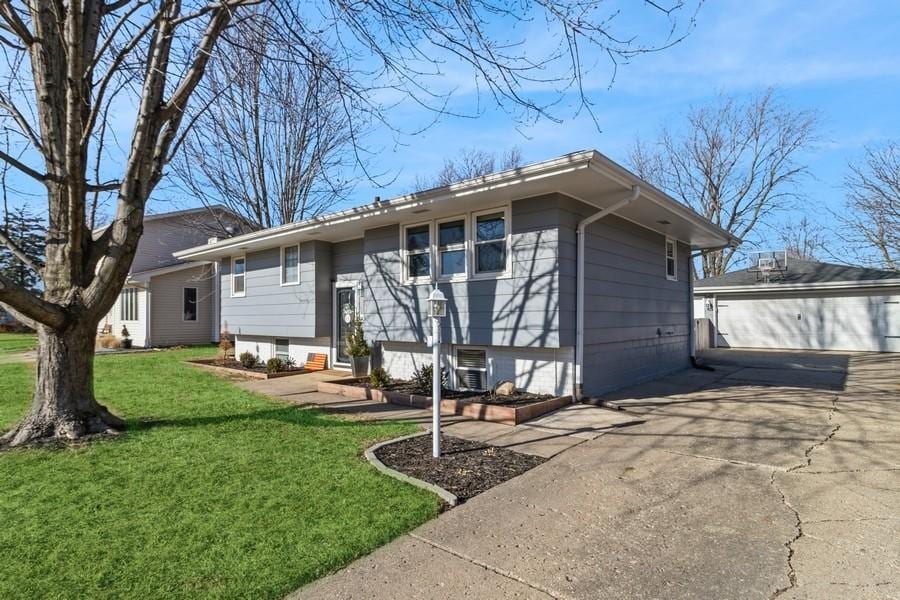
(437, 310)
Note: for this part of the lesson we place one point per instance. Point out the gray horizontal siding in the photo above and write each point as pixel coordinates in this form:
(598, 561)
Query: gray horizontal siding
(167, 328)
(637, 322)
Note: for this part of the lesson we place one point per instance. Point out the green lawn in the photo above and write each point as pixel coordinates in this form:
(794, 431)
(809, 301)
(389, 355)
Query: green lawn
(213, 492)
(16, 342)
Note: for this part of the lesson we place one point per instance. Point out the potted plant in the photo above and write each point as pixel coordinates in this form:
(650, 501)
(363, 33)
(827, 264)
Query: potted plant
(126, 338)
(358, 349)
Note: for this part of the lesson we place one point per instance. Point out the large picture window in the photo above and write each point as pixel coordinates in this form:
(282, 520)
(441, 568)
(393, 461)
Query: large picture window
(290, 265)
(128, 304)
(189, 304)
(238, 276)
(490, 242)
(452, 248)
(418, 252)
(671, 260)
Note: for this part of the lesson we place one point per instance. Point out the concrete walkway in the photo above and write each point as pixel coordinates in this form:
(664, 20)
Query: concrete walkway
(776, 476)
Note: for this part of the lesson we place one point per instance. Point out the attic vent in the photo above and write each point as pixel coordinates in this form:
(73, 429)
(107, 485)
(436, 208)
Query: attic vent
(471, 369)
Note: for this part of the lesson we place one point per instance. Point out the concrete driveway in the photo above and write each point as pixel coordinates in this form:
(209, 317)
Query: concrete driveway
(778, 475)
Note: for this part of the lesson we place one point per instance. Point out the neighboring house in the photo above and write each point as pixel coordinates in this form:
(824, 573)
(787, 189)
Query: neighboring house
(165, 301)
(523, 303)
(805, 305)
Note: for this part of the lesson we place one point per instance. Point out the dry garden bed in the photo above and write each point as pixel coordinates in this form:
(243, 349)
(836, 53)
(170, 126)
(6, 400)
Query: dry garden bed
(511, 409)
(465, 468)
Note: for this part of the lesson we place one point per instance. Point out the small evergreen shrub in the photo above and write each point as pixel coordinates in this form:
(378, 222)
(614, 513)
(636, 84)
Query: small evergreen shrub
(248, 360)
(274, 365)
(379, 378)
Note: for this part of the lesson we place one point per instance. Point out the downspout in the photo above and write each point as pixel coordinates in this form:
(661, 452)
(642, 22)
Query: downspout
(579, 290)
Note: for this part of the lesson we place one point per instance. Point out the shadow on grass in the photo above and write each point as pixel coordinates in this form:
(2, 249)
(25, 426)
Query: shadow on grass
(290, 415)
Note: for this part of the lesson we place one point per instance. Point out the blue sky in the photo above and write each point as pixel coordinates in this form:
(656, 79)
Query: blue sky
(839, 58)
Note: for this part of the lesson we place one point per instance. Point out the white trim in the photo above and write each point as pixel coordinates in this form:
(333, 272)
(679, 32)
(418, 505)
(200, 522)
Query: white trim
(764, 288)
(234, 259)
(196, 318)
(335, 318)
(466, 244)
(145, 276)
(282, 265)
(674, 275)
(507, 232)
(406, 253)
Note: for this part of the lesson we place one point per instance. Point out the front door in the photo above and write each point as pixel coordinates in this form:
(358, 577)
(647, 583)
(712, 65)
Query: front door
(345, 310)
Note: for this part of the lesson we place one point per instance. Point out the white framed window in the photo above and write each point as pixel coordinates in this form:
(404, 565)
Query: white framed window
(490, 242)
(471, 369)
(451, 248)
(417, 252)
(128, 304)
(189, 304)
(290, 265)
(671, 260)
(282, 348)
(239, 276)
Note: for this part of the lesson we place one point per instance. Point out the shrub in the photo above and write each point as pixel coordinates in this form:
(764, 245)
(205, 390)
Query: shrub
(379, 378)
(356, 340)
(108, 341)
(289, 363)
(248, 360)
(422, 377)
(225, 344)
(274, 365)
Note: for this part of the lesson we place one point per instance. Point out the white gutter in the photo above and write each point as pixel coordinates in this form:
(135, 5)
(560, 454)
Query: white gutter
(579, 291)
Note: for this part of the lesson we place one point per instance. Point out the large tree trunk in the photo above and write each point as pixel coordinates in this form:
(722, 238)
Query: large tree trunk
(64, 407)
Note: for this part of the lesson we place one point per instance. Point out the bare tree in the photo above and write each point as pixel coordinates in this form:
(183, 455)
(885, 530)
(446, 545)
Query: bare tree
(870, 223)
(70, 63)
(472, 163)
(275, 143)
(803, 239)
(735, 163)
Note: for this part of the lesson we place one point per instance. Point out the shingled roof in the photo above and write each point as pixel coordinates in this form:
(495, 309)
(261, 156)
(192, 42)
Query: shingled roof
(800, 272)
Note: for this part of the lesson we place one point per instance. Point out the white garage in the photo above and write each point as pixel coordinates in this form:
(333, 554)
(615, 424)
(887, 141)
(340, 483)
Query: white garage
(807, 306)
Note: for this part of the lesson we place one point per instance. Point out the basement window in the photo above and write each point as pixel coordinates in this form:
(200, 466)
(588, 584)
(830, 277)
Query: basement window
(282, 348)
(471, 369)
(671, 260)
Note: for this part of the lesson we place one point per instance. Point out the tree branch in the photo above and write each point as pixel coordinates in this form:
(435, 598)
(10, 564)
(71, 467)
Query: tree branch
(20, 254)
(30, 305)
(15, 23)
(14, 162)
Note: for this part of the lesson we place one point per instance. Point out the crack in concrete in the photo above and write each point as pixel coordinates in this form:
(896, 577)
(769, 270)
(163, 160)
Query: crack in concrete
(731, 461)
(792, 572)
(502, 572)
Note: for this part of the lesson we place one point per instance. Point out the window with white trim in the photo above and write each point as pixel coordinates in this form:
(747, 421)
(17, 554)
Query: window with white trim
(490, 241)
(671, 260)
(471, 369)
(238, 276)
(290, 265)
(128, 304)
(451, 240)
(282, 348)
(189, 304)
(417, 245)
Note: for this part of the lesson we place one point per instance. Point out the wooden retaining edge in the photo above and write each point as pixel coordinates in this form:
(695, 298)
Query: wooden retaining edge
(448, 497)
(506, 415)
(248, 374)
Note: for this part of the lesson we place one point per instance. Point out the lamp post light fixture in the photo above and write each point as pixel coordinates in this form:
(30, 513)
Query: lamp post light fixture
(437, 310)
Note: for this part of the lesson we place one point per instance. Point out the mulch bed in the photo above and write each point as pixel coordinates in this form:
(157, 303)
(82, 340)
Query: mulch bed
(237, 365)
(519, 398)
(465, 468)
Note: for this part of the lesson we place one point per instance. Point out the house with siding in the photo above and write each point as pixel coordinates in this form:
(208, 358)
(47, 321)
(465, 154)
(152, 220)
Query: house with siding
(166, 301)
(568, 276)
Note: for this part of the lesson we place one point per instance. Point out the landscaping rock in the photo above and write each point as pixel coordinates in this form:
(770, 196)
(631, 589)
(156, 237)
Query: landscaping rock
(505, 388)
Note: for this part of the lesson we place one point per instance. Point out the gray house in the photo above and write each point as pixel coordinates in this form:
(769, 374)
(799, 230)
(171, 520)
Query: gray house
(566, 276)
(166, 301)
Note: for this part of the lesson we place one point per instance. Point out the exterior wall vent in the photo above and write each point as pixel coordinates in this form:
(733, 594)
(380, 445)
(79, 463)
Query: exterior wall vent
(471, 369)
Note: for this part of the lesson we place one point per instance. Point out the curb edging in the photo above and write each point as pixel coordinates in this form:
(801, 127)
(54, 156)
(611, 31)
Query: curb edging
(448, 497)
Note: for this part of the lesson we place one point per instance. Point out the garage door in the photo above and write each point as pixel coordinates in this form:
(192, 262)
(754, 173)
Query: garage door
(864, 322)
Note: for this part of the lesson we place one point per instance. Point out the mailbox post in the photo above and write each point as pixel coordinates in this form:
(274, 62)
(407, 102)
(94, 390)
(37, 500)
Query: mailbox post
(437, 310)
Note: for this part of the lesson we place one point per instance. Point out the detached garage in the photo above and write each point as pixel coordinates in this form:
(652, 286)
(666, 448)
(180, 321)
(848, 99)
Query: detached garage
(802, 305)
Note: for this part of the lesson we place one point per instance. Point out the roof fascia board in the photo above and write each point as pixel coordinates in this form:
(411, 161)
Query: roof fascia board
(831, 285)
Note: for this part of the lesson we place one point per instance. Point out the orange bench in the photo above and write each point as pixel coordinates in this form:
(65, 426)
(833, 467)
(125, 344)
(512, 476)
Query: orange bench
(316, 362)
